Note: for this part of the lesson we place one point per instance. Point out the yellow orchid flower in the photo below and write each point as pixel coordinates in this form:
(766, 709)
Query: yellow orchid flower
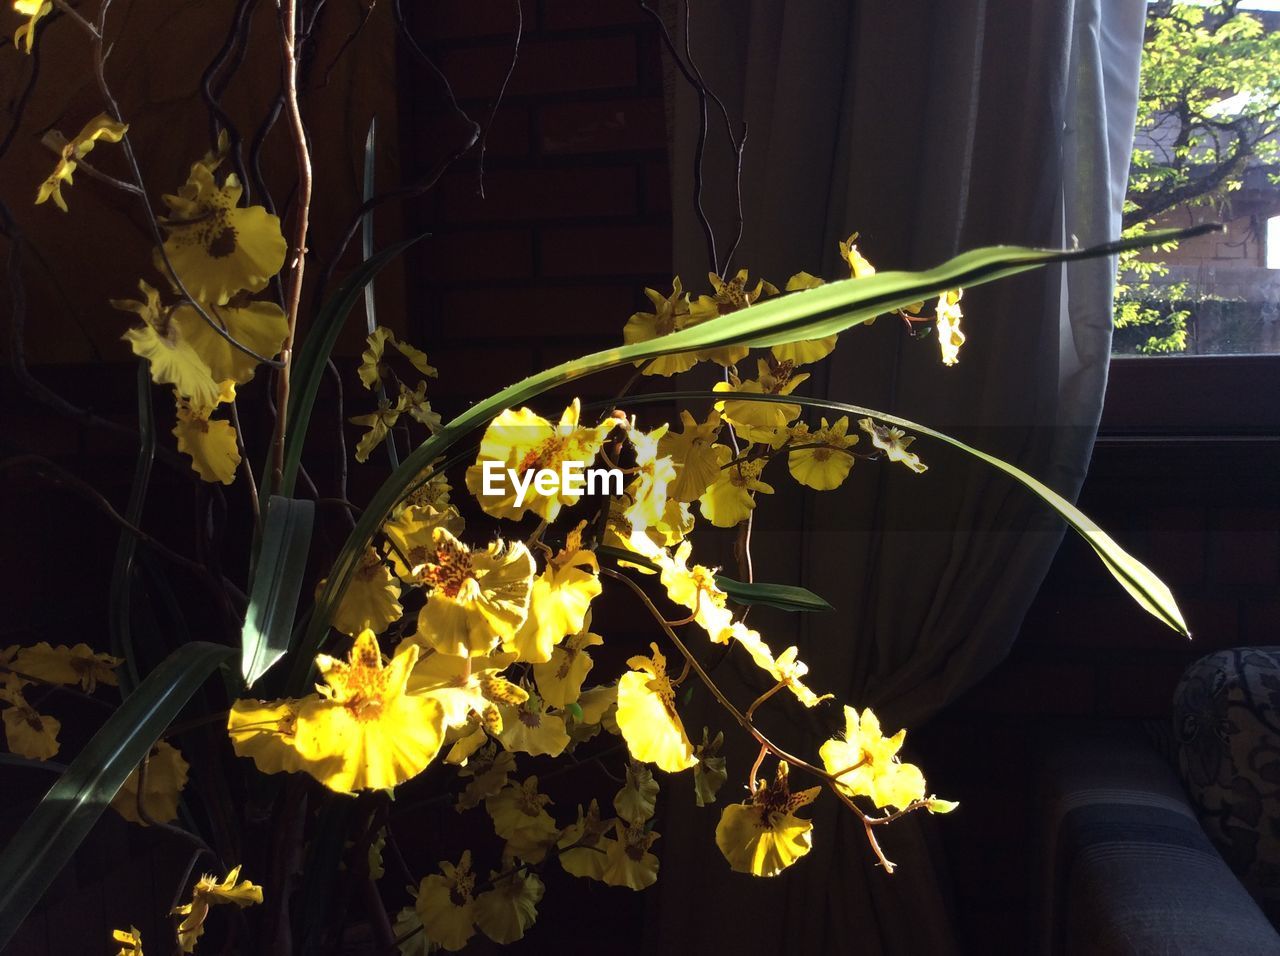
(210, 892)
(559, 601)
(371, 600)
(950, 337)
(826, 466)
(867, 762)
(101, 126)
(510, 907)
(627, 860)
(647, 715)
(763, 837)
(784, 668)
(691, 453)
(445, 904)
(469, 688)
(859, 267)
(217, 247)
(519, 442)
(676, 524)
(211, 442)
(757, 421)
(560, 679)
(379, 421)
(695, 588)
(488, 772)
(637, 801)
(646, 493)
(371, 369)
(527, 728)
(363, 731)
(410, 538)
(670, 314)
(166, 776)
(582, 845)
(519, 816)
(893, 442)
(67, 665)
(432, 490)
(478, 599)
(258, 326)
(28, 732)
(731, 497)
(173, 359)
(710, 774)
(413, 402)
(729, 296)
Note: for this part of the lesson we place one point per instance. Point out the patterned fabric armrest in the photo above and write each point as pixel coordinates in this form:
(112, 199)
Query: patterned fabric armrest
(1125, 866)
(1226, 728)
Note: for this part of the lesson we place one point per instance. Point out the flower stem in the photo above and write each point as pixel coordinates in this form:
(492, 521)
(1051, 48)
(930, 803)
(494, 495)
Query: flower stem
(293, 301)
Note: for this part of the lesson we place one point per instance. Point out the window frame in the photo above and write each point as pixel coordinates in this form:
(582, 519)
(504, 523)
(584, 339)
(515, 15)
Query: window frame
(1204, 396)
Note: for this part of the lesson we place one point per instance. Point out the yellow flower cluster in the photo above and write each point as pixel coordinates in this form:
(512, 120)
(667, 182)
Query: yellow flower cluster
(374, 372)
(479, 655)
(209, 337)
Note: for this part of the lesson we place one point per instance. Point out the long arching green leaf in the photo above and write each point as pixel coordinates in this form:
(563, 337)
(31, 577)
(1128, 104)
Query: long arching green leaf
(813, 313)
(277, 582)
(120, 597)
(1136, 578)
(58, 825)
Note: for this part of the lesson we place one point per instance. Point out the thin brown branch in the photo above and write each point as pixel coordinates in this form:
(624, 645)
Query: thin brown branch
(302, 213)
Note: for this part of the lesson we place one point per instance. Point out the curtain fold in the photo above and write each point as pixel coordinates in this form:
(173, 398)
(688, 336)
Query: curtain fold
(929, 128)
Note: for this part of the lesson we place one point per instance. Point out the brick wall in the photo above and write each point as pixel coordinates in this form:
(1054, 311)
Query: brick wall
(575, 216)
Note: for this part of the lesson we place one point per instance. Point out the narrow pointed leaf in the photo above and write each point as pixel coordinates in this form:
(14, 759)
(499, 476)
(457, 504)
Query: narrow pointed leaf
(59, 824)
(813, 313)
(313, 354)
(366, 246)
(786, 597)
(1135, 577)
(120, 597)
(278, 574)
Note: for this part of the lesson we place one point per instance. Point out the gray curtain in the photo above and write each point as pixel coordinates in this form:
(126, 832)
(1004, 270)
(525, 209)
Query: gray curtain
(930, 128)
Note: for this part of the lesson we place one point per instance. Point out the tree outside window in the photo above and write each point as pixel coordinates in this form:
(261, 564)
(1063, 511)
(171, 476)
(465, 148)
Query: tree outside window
(1207, 149)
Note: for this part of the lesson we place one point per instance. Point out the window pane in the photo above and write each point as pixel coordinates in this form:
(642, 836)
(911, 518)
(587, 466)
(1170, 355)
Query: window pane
(1206, 150)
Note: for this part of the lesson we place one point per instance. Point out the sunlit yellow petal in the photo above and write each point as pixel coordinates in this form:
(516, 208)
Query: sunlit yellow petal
(165, 778)
(647, 716)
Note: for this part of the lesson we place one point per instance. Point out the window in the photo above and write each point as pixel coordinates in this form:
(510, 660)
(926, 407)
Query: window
(1206, 150)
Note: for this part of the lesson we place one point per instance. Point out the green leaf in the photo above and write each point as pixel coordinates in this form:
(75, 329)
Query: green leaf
(277, 582)
(783, 596)
(312, 356)
(120, 596)
(46, 841)
(366, 247)
(1135, 577)
(813, 313)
